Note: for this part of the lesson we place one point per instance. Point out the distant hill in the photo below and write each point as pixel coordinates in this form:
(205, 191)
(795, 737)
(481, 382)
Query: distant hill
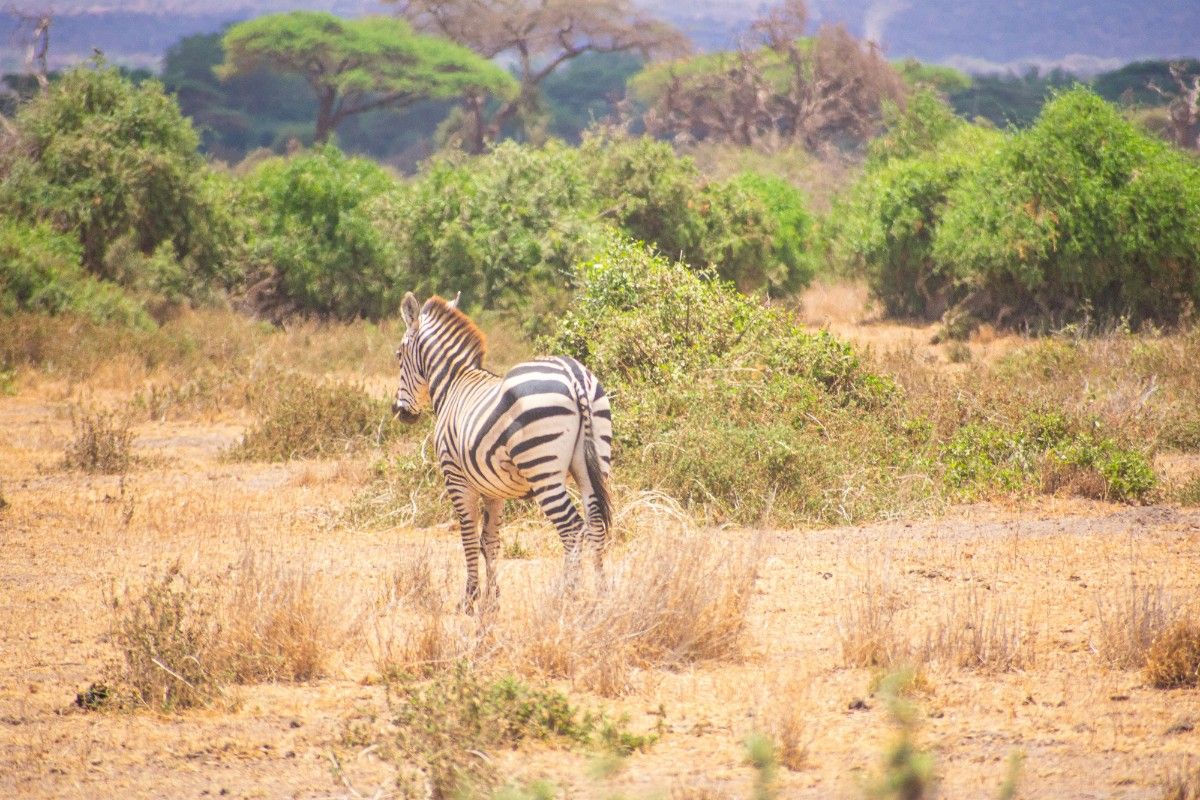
(978, 35)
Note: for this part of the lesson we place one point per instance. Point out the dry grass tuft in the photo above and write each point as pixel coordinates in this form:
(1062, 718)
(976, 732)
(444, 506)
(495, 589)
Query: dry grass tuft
(412, 630)
(1183, 784)
(1173, 661)
(1128, 623)
(784, 721)
(279, 623)
(979, 632)
(673, 598)
(102, 441)
(867, 623)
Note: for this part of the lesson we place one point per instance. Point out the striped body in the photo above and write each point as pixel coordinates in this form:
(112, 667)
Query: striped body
(505, 437)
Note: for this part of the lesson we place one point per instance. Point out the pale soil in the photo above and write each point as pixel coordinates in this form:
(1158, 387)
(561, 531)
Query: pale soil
(68, 541)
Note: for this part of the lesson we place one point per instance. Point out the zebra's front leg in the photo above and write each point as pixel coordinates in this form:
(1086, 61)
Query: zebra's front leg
(466, 507)
(493, 511)
(556, 504)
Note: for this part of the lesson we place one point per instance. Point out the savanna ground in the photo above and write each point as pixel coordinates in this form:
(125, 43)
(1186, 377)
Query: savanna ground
(1015, 614)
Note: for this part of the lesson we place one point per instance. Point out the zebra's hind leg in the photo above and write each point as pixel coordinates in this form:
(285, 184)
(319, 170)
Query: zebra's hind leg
(556, 504)
(466, 507)
(493, 511)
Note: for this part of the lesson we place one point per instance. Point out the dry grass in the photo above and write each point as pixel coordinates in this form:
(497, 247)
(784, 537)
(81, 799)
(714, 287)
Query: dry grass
(784, 719)
(279, 622)
(867, 623)
(1182, 784)
(672, 598)
(979, 631)
(1128, 621)
(1173, 660)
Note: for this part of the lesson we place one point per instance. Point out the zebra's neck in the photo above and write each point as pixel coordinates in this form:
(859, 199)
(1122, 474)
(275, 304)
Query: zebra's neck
(452, 346)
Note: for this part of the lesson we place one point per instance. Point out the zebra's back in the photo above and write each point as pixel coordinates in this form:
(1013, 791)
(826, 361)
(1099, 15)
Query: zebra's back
(510, 436)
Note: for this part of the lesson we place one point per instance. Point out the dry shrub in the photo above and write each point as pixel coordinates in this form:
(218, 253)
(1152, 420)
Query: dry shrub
(169, 638)
(1129, 621)
(673, 598)
(183, 640)
(979, 632)
(279, 623)
(1183, 784)
(1173, 660)
(867, 624)
(302, 417)
(102, 441)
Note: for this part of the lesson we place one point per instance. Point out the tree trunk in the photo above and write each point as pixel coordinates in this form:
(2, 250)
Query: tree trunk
(326, 120)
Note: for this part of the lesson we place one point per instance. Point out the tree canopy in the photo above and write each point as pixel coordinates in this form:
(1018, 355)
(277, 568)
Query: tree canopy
(359, 65)
(540, 36)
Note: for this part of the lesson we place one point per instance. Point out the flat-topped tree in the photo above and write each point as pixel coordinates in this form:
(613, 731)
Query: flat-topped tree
(538, 36)
(360, 65)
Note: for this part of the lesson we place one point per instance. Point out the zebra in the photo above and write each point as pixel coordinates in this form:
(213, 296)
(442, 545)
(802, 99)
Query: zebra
(505, 437)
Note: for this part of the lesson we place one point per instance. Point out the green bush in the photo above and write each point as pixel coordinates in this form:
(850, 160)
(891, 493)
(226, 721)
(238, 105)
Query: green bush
(499, 228)
(885, 227)
(445, 728)
(724, 403)
(319, 244)
(40, 272)
(104, 160)
(660, 198)
(793, 260)
(1044, 451)
(512, 225)
(1081, 214)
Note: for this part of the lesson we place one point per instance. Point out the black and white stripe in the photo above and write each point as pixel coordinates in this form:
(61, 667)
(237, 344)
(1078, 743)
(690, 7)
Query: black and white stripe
(505, 437)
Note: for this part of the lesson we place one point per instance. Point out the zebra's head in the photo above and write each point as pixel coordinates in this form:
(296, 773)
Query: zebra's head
(412, 395)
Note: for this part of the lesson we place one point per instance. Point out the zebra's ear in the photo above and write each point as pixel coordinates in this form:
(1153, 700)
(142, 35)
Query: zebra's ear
(454, 303)
(410, 307)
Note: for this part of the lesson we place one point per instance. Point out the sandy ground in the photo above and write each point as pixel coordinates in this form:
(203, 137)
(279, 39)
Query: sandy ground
(68, 541)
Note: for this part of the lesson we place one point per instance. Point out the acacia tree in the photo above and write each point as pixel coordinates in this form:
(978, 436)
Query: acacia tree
(1184, 106)
(777, 87)
(540, 36)
(360, 65)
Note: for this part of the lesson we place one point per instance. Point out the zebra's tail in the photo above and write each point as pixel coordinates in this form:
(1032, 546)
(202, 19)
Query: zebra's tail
(591, 460)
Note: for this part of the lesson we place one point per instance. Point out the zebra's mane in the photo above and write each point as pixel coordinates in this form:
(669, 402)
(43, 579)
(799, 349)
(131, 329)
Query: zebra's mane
(439, 308)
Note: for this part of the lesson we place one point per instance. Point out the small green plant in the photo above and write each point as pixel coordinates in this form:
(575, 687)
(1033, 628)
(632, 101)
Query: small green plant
(102, 441)
(446, 726)
(760, 753)
(907, 772)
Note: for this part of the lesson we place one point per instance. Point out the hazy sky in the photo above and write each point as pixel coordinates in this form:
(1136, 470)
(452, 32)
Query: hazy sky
(971, 34)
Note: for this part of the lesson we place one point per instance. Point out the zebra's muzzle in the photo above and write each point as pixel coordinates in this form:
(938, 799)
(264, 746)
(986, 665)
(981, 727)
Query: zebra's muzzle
(405, 415)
